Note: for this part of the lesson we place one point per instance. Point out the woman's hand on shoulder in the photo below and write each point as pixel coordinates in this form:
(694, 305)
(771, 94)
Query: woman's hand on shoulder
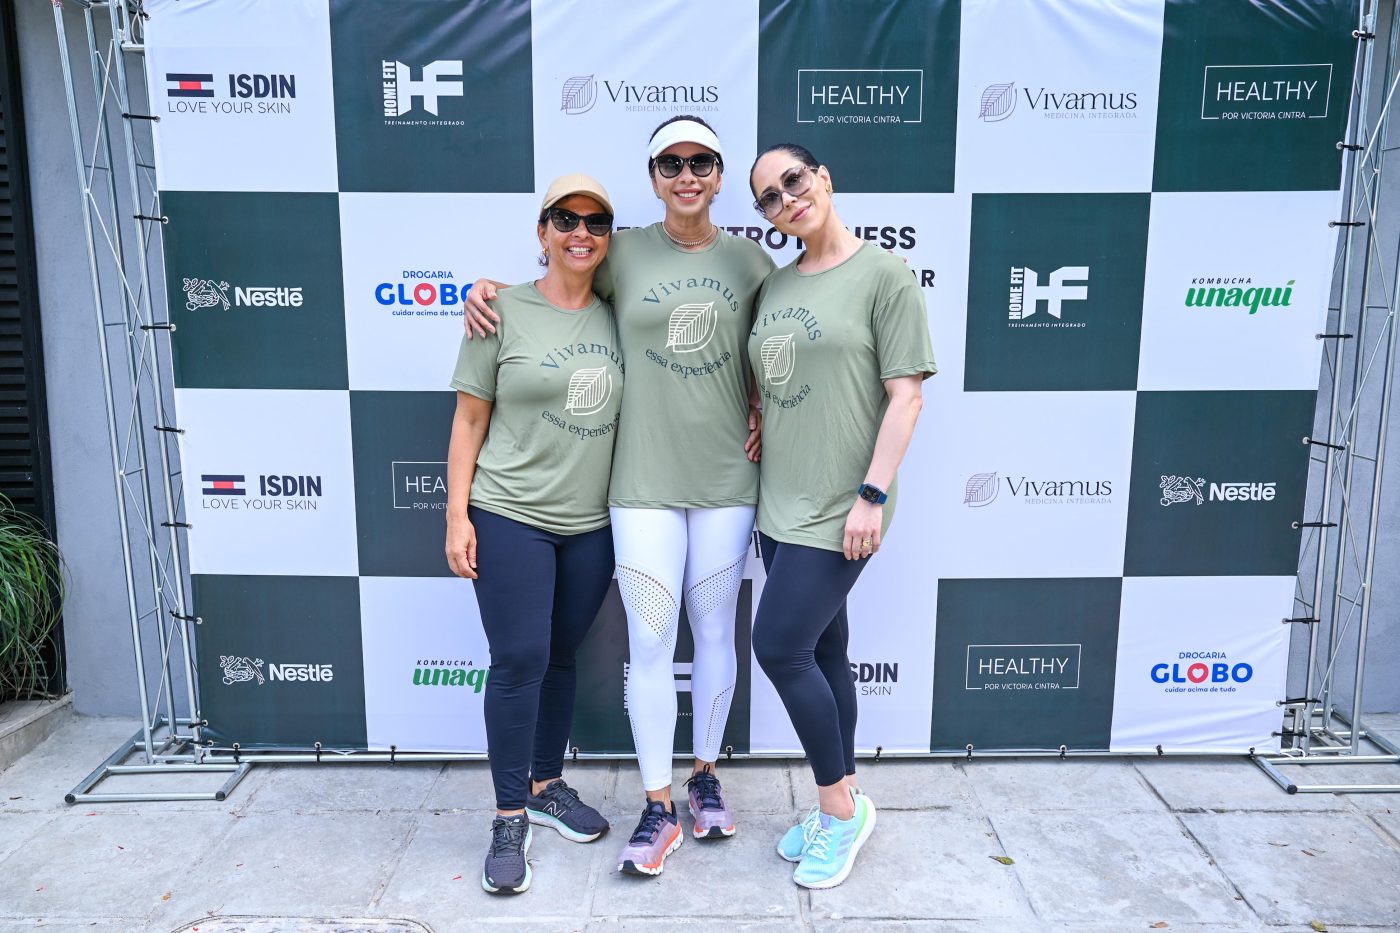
(461, 547)
(478, 317)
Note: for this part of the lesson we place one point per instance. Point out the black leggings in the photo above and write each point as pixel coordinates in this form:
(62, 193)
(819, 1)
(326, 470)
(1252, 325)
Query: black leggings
(538, 592)
(800, 634)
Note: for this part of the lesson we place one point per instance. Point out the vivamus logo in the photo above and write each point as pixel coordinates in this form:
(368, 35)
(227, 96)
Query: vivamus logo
(207, 293)
(998, 102)
(980, 490)
(589, 391)
(691, 327)
(241, 669)
(1181, 490)
(578, 95)
(778, 356)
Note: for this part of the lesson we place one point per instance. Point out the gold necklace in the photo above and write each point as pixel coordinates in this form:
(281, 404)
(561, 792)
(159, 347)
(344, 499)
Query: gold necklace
(689, 244)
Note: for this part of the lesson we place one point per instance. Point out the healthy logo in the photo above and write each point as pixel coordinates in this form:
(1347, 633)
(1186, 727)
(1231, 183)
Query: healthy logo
(691, 327)
(998, 102)
(420, 484)
(1266, 92)
(578, 95)
(1211, 293)
(1026, 292)
(778, 357)
(400, 89)
(589, 391)
(241, 670)
(1023, 667)
(981, 489)
(860, 95)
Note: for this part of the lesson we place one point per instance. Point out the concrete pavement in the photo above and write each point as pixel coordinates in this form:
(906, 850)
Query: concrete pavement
(1205, 845)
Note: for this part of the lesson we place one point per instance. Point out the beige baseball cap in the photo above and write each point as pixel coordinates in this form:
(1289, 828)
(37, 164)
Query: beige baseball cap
(576, 183)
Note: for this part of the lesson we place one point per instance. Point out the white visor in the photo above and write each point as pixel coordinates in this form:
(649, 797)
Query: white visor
(684, 131)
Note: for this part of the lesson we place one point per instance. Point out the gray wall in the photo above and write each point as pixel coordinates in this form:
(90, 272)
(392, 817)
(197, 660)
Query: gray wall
(100, 656)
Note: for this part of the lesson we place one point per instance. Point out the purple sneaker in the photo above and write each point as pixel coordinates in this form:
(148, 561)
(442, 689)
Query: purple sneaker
(657, 836)
(713, 818)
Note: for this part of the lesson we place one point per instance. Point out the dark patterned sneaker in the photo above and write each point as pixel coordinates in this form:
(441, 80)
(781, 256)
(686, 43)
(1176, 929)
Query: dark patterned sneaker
(713, 818)
(507, 871)
(558, 806)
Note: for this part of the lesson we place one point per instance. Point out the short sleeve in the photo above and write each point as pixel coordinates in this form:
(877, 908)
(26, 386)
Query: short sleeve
(603, 280)
(902, 340)
(477, 362)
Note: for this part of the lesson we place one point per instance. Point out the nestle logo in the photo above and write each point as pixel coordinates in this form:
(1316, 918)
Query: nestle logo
(860, 95)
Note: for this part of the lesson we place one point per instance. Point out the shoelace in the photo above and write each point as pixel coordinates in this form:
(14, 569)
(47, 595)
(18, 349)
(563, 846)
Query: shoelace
(561, 792)
(819, 842)
(652, 818)
(707, 789)
(508, 836)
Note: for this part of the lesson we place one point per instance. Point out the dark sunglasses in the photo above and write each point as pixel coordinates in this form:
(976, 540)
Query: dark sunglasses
(565, 221)
(701, 164)
(796, 182)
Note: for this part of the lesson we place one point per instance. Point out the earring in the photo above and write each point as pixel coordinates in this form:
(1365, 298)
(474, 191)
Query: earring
(828, 187)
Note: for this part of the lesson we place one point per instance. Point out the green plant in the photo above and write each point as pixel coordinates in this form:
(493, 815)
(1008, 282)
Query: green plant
(31, 598)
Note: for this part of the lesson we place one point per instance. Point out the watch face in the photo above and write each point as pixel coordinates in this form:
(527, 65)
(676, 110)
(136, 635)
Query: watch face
(870, 494)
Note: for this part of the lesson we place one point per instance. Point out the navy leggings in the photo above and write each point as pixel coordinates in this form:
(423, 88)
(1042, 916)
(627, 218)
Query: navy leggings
(800, 634)
(538, 593)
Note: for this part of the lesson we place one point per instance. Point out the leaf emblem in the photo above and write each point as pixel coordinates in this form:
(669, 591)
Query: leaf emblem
(691, 327)
(777, 355)
(589, 391)
(998, 100)
(579, 94)
(980, 490)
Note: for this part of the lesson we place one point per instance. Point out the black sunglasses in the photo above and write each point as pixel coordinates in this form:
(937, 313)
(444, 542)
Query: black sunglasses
(701, 164)
(565, 221)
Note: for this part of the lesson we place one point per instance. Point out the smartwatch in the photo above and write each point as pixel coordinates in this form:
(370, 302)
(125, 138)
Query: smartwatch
(872, 494)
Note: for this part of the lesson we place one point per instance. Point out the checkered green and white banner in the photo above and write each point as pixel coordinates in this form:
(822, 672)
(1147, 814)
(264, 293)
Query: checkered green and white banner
(1119, 217)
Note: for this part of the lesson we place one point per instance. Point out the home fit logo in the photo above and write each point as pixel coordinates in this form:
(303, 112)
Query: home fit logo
(691, 327)
(422, 293)
(284, 492)
(1023, 667)
(240, 669)
(441, 673)
(1237, 292)
(1266, 92)
(206, 293)
(1201, 672)
(194, 92)
(860, 95)
(403, 94)
(420, 484)
(1179, 490)
(579, 94)
(877, 679)
(999, 101)
(1026, 293)
(679, 670)
(982, 490)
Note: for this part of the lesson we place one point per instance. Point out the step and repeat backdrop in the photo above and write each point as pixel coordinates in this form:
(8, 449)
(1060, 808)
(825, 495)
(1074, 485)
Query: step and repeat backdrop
(1119, 217)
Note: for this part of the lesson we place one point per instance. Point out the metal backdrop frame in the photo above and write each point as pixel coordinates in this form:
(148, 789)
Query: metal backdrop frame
(113, 154)
(1323, 724)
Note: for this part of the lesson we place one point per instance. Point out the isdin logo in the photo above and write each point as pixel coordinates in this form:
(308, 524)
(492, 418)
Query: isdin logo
(998, 102)
(589, 391)
(779, 359)
(579, 94)
(1026, 293)
(1225, 292)
(400, 88)
(691, 327)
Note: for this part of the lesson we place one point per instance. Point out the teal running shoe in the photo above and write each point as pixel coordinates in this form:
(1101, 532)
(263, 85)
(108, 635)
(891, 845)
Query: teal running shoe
(832, 851)
(794, 842)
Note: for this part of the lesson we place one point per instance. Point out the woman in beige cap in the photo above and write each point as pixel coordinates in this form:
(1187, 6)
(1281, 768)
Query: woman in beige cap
(527, 514)
(685, 478)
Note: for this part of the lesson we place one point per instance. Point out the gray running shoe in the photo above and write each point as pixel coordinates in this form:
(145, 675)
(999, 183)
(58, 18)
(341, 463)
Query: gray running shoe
(658, 834)
(558, 806)
(507, 871)
(713, 818)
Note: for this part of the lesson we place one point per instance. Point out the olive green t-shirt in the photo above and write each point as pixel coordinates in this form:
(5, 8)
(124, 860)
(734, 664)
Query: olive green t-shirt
(821, 345)
(555, 378)
(684, 319)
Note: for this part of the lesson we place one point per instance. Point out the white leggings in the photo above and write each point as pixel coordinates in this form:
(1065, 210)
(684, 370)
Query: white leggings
(662, 553)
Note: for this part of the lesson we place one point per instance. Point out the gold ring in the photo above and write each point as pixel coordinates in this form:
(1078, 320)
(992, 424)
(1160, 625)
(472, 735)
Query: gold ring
(867, 543)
